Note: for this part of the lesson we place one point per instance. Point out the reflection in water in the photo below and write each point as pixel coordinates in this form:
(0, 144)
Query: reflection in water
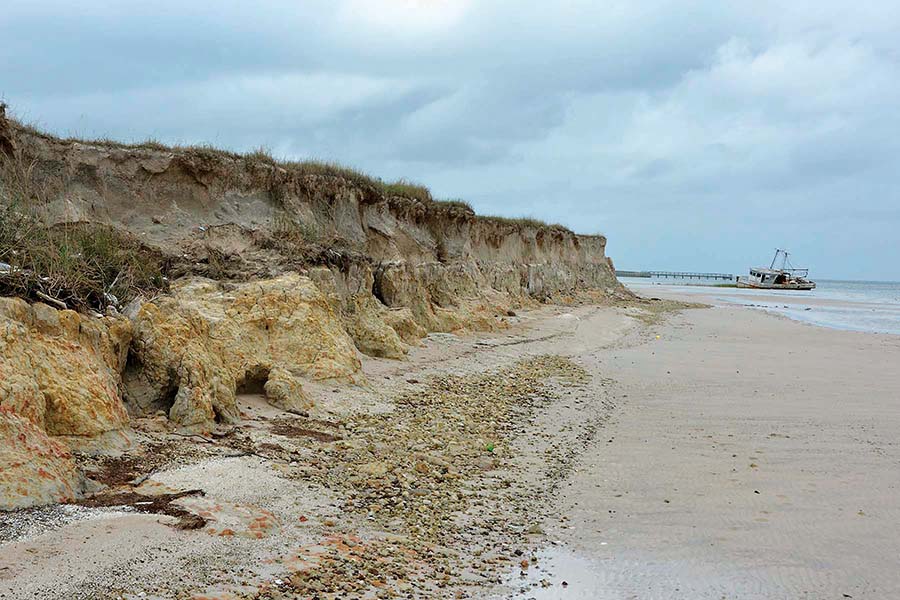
(559, 573)
(563, 574)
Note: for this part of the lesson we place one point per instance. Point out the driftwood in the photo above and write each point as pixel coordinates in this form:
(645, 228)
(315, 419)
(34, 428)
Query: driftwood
(195, 435)
(57, 303)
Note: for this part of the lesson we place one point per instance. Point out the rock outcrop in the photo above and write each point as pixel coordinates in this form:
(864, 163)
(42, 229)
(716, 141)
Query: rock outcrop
(60, 370)
(194, 349)
(59, 388)
(34, 469)
(364, 317)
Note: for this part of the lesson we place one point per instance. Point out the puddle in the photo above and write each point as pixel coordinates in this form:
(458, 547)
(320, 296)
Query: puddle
(559, 573)
(563, 574)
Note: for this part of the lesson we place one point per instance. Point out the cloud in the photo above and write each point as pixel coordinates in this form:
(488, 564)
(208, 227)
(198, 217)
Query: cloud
(417, 18)
(685, 130)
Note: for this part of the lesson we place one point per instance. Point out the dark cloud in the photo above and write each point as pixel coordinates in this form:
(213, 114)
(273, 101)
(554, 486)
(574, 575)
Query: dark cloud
(696, 134)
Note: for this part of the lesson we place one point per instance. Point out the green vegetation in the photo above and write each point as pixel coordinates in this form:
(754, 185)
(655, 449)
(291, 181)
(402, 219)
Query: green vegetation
(401, 187)
(407, 189)
(261, 154)
(82, 266)
(455, 203)
(525, 222)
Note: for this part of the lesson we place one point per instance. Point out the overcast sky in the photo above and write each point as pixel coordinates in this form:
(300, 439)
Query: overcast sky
(695, 135)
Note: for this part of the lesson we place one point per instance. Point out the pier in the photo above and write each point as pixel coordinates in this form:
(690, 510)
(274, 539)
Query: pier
(676, 275)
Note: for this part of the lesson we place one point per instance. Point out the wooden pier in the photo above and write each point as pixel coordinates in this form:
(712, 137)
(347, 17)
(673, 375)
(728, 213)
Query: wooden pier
(676, 275)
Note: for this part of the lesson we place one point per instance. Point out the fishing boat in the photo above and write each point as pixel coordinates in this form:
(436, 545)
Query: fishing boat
(784, 278)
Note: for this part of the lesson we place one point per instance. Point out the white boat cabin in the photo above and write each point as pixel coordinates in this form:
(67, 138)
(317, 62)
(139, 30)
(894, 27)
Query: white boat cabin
(768, 276)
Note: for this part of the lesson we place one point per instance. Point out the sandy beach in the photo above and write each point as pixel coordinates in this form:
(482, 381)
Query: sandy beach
(704, 453)
(749, 456)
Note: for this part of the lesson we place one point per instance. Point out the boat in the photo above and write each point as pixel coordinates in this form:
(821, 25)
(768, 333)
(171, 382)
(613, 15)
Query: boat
(784, 278)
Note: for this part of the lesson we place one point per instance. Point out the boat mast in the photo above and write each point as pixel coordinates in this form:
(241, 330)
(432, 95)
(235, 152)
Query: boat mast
(783, 259)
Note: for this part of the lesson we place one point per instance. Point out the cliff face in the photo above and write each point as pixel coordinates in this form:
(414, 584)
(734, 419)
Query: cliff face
(195, 348)
(259, 217)
(279, 273)
(59, 385)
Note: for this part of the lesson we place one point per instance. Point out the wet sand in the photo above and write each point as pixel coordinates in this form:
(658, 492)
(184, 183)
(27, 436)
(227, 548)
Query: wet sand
(749, 457)
(853, 307)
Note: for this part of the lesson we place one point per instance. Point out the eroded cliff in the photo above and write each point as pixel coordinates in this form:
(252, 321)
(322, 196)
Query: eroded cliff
(252, 273)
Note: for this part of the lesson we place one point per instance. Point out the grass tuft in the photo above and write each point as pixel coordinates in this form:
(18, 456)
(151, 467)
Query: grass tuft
(455, 203)
(401, 187)
(526, 222)
(406, 189)
(262, 154)
(286, 229)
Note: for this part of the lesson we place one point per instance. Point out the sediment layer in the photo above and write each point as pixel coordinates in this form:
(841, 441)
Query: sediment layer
(276, 275)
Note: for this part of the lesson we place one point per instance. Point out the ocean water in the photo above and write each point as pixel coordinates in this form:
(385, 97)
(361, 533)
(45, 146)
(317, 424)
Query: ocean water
(872, 306)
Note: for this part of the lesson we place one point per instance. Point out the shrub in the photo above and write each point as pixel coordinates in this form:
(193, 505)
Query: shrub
(82, 266)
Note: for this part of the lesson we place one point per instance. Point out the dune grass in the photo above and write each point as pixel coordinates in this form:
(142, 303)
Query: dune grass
(81, 266)
(455, 203)
(525, 222)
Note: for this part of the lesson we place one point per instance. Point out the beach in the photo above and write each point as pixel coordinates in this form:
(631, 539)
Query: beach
(670, 453)
(450, 300)
(750, 456)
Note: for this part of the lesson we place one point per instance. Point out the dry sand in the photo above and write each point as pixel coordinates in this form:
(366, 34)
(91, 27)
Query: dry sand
(719, 453)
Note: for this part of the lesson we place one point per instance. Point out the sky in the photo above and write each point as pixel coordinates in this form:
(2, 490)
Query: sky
(695, 135)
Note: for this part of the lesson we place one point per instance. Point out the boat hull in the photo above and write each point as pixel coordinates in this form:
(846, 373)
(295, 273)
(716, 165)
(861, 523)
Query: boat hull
(806, 286)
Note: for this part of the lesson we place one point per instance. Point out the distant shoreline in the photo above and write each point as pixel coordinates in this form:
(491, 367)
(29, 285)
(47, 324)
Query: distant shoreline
(872, 307)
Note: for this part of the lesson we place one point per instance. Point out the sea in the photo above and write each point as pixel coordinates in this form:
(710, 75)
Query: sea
(871, 306)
